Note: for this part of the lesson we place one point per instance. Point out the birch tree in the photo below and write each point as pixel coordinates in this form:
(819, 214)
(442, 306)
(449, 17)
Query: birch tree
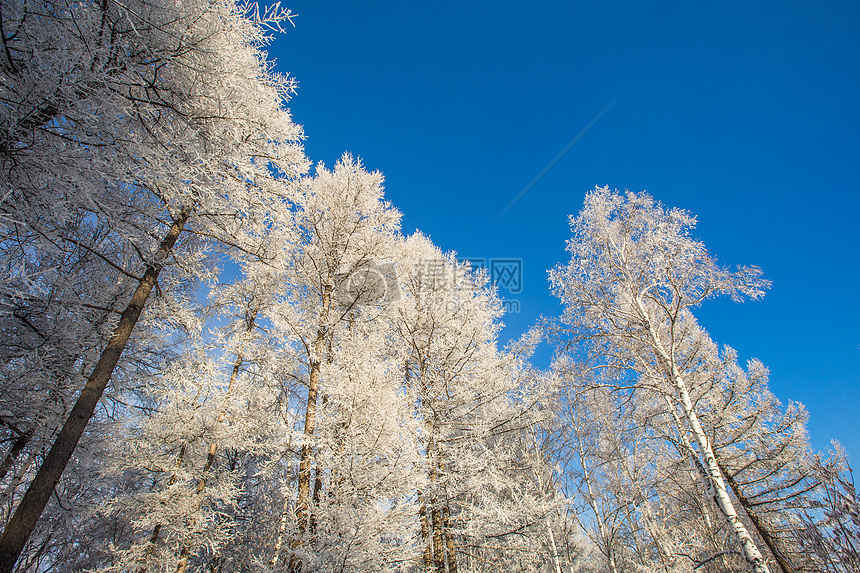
(763, 451)
(627, 485)
(634, 276)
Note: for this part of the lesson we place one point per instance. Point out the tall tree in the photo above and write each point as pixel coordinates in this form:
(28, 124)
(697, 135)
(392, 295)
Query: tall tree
(214, 424)
(763, 451)
(345, 229)
(477, 500)
(142, 120)
(626, 483)
(635, 273)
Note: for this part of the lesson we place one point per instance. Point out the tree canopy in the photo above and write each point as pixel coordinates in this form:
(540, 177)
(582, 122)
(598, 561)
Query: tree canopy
(214, 358)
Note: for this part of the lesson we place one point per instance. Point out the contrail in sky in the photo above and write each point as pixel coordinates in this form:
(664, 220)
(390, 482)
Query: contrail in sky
(560, 153)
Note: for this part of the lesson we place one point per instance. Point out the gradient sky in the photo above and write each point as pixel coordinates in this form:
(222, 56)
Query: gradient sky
(745, 114)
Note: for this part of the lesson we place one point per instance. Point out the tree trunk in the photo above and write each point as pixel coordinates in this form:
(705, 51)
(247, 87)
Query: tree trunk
(310, 413)
(24, 520)
(302, 507)
(317, 495)
(182, 565)
(668, 367)
(449, 539)
(721, 495)
(303, 501)
(761, 528)
(282, 527)
(555, 561)
(438, 546)
(426, 537)
(695, 463)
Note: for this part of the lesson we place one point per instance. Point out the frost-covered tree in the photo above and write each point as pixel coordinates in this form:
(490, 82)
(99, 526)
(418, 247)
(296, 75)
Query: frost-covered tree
(623, 479)
(761, 448)
(362, 516)
(566, 546)
(634, 276)
(477, 500)
(213, 429)
(345, 231)
(122, 127)
(831, 532)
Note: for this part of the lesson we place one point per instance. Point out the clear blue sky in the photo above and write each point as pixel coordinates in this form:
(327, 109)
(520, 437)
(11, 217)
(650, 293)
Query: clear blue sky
(746, 114)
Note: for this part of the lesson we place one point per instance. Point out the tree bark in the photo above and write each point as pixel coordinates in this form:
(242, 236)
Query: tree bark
(449, 539)
(303, 501)
(30, 508)
(555, 560)
(310, 413)
(721, 495)
(436, 520)
(282, 527)
(439, 548)
(425, 535)
(668, 367)
(760, 527)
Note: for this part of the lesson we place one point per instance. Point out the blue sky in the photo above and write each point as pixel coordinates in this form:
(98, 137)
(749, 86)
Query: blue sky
(745, 114)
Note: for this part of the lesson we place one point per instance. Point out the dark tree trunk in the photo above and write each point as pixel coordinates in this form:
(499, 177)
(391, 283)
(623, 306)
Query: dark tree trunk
(449, 539)
(30, 508)
(426, 537)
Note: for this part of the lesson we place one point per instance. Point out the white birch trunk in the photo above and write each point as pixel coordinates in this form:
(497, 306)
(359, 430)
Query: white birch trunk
(555, 561)
(721, 496)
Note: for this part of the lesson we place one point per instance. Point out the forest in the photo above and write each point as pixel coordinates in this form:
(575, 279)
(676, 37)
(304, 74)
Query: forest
(218, 357)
